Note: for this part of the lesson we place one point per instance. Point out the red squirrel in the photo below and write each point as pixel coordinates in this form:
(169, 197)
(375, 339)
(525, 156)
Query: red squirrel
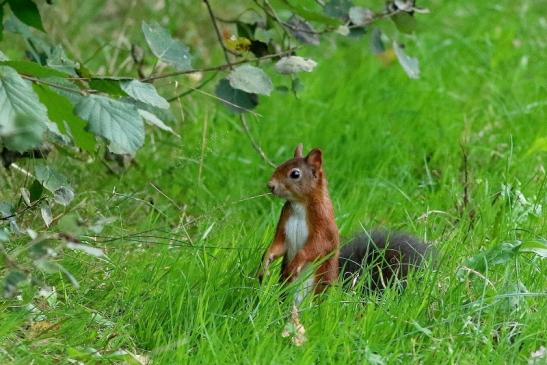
(307, 233)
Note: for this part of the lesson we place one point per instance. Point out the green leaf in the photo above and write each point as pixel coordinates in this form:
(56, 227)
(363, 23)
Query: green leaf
(166, 48)
(57, 59)
(45, 211)
(33, 69)
(539, 247)
(155, 121)
(306, 13)
(12, 281)
(61, 111)
(118, 122)
(497, 255)
(294, 64)
(338, 8)
(51, 267)
(405, 22)
(50, 178)
(24, 134)
(236, 100)
(376, 42)
(303, 31)
(250, 79)
(144, 92)
(409, 64)
(90, 250)
(27, 12)
(63, 195)
(55, 182)
(4, 236)
(6, 210)
(107, 85)
(36, 190)
(360, 16)
(18, 98)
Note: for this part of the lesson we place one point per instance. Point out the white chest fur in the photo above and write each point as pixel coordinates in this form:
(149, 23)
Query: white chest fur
(296, 230)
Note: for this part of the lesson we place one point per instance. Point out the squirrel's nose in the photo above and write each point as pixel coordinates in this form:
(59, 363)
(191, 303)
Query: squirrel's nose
(271, 186)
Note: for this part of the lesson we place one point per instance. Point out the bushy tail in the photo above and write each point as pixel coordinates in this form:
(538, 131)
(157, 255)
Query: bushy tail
(384, 255)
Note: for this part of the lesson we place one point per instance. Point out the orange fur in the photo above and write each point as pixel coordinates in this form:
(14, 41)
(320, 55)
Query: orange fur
(322, 242)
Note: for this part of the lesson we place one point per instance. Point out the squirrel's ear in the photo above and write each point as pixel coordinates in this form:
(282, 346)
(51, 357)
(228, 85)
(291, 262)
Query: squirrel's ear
(315, 158)
(298, 151)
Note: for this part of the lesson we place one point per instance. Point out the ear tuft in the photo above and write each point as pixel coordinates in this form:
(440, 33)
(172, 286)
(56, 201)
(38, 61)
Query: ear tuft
(298, 151)
(315, 158)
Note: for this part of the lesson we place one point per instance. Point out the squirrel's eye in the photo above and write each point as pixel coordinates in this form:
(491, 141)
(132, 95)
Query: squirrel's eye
(295, 174)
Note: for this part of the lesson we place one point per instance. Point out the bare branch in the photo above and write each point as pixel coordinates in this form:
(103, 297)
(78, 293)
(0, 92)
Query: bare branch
(219, 36)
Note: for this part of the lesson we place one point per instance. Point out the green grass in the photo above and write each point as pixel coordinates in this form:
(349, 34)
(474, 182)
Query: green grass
(393, 155)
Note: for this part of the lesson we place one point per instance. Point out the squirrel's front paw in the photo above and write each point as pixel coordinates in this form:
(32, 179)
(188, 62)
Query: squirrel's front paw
(262, 273)
(291, 272)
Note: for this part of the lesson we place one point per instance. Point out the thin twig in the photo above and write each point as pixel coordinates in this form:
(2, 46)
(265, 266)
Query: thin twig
(220, 67)
(191, 90)
(219, 36)
(255, 144)
(60, 87)
(239, 107)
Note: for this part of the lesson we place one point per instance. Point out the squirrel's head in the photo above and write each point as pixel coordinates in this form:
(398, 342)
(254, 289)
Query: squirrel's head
(299, 177)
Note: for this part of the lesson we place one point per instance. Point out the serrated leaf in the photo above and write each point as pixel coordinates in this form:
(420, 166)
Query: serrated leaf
(303, 31)
(155, 121)
(236, 100)
(360, 16)
(63, 195)
(118, 122)
(107, 85)
(25, 133)
(18, 98)
(33, 69)
(250, 79)
(55, 182)
(264, 35)
(50, 178)
(294, 64)
(61, 111)
(308, 14)
(90, 250)
(410, 65)
(166, 48)
(57, 59)
(27, 12)
(144, 92)
(47, 216)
